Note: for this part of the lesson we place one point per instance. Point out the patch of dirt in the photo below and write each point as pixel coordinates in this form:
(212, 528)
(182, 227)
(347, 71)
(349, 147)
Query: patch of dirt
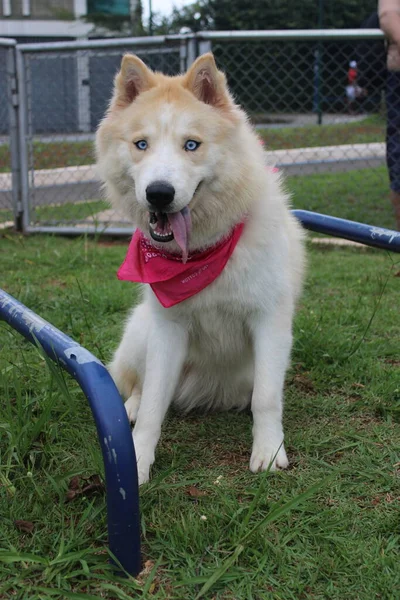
(56, 283)
(392, 361)
(303, 382)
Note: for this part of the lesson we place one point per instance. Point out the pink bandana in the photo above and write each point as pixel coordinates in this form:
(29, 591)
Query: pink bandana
(171, 280)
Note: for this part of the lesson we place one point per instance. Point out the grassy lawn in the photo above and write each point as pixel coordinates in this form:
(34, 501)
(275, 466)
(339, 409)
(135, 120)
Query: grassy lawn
(66, 213)
(361, 195)
(51, 155)
(340, 541)
(371, 129)
(68, 154)
(69, 212)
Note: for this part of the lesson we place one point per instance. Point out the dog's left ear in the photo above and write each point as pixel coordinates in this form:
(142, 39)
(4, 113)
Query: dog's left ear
(207, 83)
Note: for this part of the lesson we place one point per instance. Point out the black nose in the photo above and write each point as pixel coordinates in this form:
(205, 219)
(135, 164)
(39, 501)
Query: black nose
(159, 194)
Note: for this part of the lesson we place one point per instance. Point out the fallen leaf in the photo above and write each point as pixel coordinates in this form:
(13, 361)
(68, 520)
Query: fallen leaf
(74, 483)
(194, 492)
(70, 495)
(96, 485)
(84, 486)
(25, 526)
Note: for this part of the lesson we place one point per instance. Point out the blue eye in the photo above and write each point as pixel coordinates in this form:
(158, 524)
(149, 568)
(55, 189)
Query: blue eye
(191, 145)
(141, 145)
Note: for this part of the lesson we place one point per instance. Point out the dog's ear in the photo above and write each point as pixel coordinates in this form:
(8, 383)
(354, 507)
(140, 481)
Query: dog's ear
(133, 79)
(207, 83)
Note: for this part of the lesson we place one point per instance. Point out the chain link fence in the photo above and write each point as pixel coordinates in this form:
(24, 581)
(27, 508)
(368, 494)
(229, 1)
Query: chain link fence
(324, 128)
(66, 90)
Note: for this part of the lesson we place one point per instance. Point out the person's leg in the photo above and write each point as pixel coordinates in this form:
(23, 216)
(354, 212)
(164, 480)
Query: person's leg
(395, 200)
(393, 140)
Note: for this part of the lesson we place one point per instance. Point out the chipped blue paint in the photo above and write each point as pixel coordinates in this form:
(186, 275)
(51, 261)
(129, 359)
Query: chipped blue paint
(378, 232)
(81, 355)
(108, 451)
(377, 237)
(112, 425)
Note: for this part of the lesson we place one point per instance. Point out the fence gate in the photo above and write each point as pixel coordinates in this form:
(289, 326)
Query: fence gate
(65, 88)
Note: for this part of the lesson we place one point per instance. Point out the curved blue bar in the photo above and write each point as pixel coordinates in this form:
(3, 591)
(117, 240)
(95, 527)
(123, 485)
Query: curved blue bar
(378, 237)
(112, 424)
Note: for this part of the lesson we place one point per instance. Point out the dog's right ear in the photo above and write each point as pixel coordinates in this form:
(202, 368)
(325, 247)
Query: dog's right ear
(133, 79)
(207, 83)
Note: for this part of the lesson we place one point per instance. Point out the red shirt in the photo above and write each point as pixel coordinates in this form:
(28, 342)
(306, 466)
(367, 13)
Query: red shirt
(352, 75)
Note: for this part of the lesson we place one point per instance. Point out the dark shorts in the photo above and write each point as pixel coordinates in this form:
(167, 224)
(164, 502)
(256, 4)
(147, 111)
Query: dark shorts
(393, 129)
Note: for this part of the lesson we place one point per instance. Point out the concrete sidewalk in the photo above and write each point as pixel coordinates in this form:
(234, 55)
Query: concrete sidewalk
(323, 159)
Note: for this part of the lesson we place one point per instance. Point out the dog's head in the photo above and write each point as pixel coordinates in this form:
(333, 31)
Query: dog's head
(168, 149)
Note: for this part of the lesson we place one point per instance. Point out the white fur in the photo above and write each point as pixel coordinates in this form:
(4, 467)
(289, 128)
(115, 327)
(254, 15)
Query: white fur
(229, 345)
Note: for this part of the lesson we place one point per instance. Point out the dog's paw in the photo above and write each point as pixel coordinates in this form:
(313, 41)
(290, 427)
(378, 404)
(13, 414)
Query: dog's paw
(132, 407)
(144, 460)
(143, 474)
(264, 456)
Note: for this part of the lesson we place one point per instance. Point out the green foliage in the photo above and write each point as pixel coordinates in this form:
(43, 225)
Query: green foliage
(289, 14)
(196, 17)
(267, 14)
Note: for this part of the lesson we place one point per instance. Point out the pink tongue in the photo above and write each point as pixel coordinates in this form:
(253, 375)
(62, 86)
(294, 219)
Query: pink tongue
(181, 226)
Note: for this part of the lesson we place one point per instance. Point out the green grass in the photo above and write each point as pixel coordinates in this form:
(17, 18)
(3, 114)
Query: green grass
(51, 155)
(371, 129)
(338, 541)
(69, 212)
(361, 195)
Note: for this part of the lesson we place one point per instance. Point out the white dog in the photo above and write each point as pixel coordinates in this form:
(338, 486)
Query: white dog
(216, 244)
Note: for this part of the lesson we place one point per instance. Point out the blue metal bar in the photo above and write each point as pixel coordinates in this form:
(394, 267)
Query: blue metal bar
(378, 237)
(112, 424)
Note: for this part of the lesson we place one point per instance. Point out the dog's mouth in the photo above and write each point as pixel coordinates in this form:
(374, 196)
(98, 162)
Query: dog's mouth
(165, 227)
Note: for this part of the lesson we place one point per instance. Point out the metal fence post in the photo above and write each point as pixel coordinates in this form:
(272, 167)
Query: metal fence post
(83, 76)
(23, 138)
(182, 55)
(204, 46)
(13, 101)
(191, 52)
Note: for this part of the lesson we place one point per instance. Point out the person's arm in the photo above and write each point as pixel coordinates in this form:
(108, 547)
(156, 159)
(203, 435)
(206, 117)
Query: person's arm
(389, 19)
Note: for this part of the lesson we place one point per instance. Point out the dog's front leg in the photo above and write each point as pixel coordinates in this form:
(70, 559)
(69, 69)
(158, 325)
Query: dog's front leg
(272, 339)
(166, 352)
